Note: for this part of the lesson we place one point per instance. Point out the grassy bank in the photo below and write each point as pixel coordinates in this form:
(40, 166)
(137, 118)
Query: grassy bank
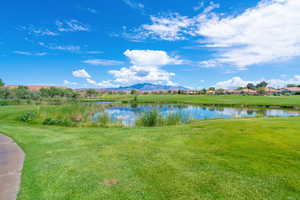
(84, 115)
(79, 115)
(212, 159)
(227, 100)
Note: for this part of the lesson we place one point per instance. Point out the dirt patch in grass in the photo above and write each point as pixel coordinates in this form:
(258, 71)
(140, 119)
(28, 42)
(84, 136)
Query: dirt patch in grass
(110, 182)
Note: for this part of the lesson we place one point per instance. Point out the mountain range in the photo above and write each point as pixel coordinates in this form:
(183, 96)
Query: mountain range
(147, 87)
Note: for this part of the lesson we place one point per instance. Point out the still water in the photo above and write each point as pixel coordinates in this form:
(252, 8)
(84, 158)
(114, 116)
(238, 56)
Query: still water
(128, 114)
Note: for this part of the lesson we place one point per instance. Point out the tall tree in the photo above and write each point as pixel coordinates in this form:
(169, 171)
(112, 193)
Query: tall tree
(251, 86)
(91, 92)
(1, 83)
(262, 84)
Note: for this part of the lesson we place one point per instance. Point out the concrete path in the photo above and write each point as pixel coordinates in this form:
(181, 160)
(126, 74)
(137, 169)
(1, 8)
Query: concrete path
(11, 164)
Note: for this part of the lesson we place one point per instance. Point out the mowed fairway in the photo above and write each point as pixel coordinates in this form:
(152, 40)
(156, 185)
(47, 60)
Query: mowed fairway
(213, 159)
(292, 101)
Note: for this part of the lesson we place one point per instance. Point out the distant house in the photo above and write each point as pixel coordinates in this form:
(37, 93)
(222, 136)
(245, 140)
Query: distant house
(229, 91)
(291, 90)
(190, 92)
(245, 91)
(271, 91)
(211, 92)
(34, 87)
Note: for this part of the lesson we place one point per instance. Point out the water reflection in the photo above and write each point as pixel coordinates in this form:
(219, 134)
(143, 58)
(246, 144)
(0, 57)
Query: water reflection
(128, 114)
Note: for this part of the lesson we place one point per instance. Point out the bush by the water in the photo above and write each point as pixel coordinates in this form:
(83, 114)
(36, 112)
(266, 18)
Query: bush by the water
(173, 119)
(67, 115)
(57, 122)
(77, 113)
(154, 118)
(150, 118)
(28, 116)
(103, 120)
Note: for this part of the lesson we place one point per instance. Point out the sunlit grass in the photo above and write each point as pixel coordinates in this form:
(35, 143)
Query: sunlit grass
(212, 159)
(226, 100)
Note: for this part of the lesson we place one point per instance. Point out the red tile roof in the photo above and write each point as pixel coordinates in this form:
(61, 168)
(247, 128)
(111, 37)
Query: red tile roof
(34, 87)
(246, 91)
(293, 89)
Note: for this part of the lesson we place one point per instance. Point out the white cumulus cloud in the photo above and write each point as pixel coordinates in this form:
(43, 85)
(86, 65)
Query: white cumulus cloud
(81, 73)
(70, 82)
(236, 82)
(268, 32)
(150, 58)
(146, 68)
(172, 27)
(102, 84)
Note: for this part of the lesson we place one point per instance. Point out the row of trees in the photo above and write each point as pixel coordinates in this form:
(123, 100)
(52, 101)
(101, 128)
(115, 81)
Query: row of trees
(258, 86)
(265, 84)
(23, 92)
(292, 85)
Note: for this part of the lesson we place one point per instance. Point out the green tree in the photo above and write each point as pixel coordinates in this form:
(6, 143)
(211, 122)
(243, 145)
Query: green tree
(58, 92)
(262, 84)
(45, 92)
(1, 83)
(180, 92)
(261, 91)
(91, 92)
(22, 92)
(133, 92)
(251, 86)
(5, 93)
(220, 91)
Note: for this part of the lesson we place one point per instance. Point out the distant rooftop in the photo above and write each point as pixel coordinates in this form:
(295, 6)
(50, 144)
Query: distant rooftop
(34, 87)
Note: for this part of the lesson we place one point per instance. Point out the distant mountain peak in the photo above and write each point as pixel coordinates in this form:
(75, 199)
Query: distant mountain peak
(149, 87)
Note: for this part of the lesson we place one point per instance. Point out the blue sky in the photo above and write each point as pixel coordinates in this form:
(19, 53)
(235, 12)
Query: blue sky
(91, 43)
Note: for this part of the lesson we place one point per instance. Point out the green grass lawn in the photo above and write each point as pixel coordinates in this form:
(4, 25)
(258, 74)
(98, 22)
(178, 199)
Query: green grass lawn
(213, 99)
(211, 159)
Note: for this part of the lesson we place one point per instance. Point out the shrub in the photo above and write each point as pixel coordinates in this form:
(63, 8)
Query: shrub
(56, 122)
(28, 116)
(154, 118)
(173, 119)
(4, 103)
(150, 118)
(104, 119)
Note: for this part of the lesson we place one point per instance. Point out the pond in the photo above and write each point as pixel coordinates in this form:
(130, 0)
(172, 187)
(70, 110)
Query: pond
(128, 114)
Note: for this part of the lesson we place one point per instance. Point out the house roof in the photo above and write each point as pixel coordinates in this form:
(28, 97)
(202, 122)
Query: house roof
(229, 91)
(246, 91)
(293, 89)
(211, 91)
(35, 87)
(271, 90)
